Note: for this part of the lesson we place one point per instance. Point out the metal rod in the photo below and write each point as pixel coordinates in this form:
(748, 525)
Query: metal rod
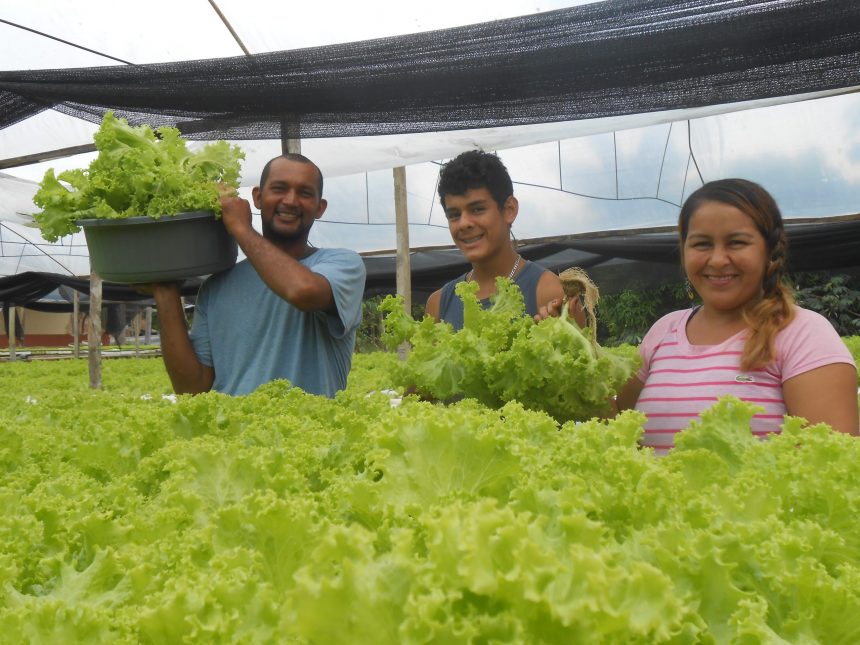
(229, 27)
(65, 42)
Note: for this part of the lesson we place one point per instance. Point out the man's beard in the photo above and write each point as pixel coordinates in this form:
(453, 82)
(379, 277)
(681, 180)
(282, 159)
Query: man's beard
(273, 235)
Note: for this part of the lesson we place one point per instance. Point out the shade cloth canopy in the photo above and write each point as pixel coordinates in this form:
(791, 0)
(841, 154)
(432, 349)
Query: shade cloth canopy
(607, 114)
(584, 62)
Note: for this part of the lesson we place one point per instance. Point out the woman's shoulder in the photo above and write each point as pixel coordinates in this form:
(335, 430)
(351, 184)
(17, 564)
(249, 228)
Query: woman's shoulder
(668, 324)
(808, 329)
(803, 313)
(806, 318)
(672, 319)
(809, 341)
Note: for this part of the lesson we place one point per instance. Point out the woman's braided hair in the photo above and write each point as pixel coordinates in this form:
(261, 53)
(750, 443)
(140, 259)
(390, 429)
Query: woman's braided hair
(775, 310)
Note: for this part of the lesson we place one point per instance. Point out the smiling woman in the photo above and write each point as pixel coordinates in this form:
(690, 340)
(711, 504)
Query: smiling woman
(748, 338)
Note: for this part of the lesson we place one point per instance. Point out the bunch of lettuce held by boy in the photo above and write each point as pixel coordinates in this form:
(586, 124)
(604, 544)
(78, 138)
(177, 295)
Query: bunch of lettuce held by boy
(501, 354)
(138, 171)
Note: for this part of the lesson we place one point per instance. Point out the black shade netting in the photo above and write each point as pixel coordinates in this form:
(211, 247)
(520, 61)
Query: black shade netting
(604, 59)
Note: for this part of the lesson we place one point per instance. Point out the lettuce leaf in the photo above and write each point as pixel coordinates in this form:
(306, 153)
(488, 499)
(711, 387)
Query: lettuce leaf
(502, 355)
(138, 171)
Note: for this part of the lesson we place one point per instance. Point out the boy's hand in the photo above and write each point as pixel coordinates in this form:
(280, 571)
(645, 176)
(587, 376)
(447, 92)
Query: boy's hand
(553, 308)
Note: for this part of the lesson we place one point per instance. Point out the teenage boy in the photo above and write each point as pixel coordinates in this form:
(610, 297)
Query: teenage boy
(477, 196)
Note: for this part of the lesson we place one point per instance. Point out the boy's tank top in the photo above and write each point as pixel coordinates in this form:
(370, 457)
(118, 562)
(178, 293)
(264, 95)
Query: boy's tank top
(451, 307)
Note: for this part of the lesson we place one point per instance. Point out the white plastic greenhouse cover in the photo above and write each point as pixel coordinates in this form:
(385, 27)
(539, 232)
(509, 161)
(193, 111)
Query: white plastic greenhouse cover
(571, 177)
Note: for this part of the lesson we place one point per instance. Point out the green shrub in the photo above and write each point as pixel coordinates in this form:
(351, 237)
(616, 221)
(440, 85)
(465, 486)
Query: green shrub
(625, 317)
(833, 296)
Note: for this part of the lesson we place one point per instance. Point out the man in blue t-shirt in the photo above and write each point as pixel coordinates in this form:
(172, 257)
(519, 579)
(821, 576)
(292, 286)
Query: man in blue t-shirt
(288, 311)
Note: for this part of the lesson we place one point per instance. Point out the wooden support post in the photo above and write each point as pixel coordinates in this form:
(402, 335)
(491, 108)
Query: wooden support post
(135, 329)
(401, 214)
(76, 324)
(291, 142)
(147, 334)
(404, 269)
(13, 310)
(94, 332)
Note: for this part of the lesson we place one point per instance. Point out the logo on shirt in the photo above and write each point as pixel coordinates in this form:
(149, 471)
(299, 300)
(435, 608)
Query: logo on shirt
(744, 378)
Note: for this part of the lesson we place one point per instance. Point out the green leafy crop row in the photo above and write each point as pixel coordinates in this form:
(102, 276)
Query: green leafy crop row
(285, 517)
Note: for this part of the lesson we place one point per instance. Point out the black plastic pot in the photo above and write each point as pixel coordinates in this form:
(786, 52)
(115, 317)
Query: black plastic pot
(145, 249)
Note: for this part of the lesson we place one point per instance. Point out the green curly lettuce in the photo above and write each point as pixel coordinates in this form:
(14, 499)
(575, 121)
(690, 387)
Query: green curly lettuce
(138, 171)
(501, 355)
(284, 517)
(554, 366)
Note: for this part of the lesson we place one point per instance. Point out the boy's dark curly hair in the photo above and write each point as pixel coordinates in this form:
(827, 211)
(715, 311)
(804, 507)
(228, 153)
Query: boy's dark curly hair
(475, 169)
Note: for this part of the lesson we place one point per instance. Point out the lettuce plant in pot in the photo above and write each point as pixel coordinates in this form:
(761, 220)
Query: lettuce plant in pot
(147, 204)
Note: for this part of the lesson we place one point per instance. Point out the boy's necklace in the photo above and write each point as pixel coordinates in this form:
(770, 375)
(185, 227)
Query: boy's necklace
(510, 275)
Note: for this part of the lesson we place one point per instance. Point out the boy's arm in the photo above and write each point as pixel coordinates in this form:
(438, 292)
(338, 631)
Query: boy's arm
(432, 306)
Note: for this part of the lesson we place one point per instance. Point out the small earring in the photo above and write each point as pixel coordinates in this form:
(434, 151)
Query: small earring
(691, 296)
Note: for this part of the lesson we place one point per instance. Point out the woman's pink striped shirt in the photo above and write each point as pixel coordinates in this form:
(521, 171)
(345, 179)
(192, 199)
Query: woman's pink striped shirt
(682, 380)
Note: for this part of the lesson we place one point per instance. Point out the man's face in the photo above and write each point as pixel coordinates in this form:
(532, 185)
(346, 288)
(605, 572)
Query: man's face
(289, 202)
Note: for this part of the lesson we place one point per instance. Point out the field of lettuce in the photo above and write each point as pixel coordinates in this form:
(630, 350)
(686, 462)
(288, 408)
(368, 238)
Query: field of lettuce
(132, 516)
